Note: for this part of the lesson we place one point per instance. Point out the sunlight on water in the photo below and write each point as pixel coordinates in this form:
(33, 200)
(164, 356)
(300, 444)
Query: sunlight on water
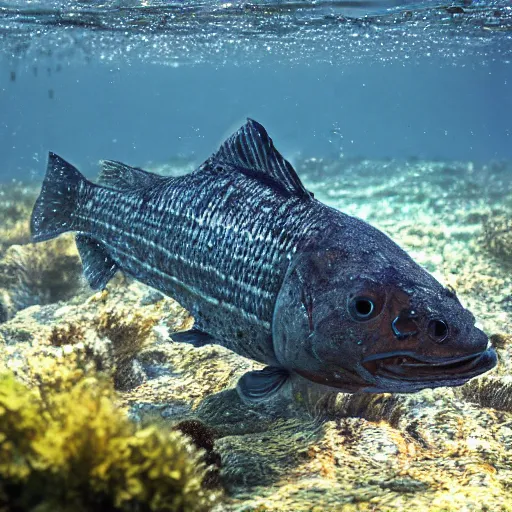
(294, 31)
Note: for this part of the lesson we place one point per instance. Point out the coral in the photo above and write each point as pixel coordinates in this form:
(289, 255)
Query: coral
(39, 274)
(67, 447)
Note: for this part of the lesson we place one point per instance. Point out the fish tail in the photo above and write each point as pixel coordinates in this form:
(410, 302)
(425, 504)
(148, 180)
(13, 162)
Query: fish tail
(58, 200)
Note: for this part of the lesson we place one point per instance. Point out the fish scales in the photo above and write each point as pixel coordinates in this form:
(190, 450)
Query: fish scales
(230, 257)
(268, 271)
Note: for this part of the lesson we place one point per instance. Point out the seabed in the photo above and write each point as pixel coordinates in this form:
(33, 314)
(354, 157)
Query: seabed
(68, 354)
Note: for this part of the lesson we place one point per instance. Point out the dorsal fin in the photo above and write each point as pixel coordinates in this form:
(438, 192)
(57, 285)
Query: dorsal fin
(252, 151)
(124, 177)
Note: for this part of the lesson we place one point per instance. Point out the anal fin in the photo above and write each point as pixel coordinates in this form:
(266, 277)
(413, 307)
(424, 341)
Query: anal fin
(99, 267)
(195, 337)
(259, 385)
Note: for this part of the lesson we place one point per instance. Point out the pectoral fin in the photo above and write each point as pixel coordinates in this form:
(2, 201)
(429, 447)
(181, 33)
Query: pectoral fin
(194, 337)
(259, 385)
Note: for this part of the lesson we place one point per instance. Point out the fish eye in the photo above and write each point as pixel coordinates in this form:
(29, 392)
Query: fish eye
(437, 330)
(361, 308)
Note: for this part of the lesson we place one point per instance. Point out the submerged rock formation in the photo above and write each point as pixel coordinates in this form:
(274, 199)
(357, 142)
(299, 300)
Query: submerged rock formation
(309, 450)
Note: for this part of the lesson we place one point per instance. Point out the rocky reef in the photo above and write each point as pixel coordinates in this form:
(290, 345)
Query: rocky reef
(94, 382)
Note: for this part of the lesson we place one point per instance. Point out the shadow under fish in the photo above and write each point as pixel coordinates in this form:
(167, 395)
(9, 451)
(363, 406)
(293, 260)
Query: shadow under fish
(268, 271)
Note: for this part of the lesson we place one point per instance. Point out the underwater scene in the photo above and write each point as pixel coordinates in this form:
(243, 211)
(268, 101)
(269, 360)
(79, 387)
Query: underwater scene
(255, 256)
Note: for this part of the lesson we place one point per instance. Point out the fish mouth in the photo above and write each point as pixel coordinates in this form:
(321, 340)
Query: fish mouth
(407, 366)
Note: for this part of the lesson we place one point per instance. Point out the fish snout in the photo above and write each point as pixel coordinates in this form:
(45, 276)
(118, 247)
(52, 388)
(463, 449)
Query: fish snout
(435, 335)
(404, 325)
(451, 341)
(479, 341)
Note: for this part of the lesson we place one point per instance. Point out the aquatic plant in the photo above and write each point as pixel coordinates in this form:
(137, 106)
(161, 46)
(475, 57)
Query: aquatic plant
(128, 331)
(66, 334)
(370, 406)
(489, 391)
(39, 274)
(497, 237)
(66, 446)
(501, 340)
(16, 201)
(128, 334)
(110, 345)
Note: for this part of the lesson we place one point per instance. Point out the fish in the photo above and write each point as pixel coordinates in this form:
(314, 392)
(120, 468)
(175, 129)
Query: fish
(268, 271)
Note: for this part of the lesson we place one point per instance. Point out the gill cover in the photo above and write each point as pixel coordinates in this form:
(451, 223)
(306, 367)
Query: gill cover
(312, 307)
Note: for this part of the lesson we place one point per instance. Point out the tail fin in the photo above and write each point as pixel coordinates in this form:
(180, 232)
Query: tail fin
(52, 213)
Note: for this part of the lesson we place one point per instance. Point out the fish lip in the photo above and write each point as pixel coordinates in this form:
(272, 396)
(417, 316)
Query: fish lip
(408, 366)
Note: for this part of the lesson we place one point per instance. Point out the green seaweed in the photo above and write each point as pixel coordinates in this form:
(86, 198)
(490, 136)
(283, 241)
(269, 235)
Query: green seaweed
(66, 446)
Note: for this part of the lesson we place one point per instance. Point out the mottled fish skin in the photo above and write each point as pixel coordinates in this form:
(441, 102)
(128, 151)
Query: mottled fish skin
(268, 271)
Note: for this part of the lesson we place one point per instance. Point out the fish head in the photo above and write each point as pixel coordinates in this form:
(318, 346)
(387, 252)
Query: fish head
(375, 322)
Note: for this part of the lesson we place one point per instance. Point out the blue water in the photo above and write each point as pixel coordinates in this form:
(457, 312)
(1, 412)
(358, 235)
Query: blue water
(351, 83)
(91, 80)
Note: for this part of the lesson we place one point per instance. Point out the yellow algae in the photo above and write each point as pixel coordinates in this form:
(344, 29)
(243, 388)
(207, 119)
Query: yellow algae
(69, 447)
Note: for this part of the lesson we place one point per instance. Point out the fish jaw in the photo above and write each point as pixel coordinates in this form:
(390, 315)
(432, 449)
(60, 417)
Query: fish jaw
(403, 372)
(408, 373)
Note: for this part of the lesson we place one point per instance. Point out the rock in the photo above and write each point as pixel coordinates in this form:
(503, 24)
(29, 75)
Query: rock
(309, 448)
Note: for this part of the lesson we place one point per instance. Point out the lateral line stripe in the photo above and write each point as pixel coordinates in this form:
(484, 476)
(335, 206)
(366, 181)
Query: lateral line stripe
(192, 289)
(148, 221)
(255, 290)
